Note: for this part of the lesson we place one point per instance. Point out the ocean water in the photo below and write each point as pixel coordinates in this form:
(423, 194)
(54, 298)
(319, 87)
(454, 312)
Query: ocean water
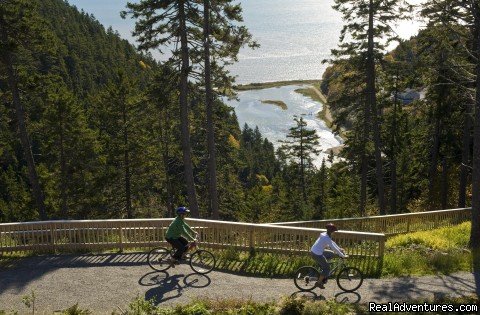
(295, 36)
(274, 123)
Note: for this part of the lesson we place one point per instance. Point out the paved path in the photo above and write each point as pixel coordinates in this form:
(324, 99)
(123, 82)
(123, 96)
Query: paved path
(104, 282)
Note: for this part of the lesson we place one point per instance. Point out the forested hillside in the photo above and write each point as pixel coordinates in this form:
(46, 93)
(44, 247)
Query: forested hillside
(91, 127)
(425, 103)
(104, 127)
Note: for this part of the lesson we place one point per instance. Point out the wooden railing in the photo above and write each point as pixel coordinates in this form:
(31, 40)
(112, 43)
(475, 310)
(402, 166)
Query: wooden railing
(393, 224)
(60, 236)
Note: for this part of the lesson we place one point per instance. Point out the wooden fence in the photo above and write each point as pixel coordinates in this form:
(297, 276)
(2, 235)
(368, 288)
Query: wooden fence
(91, 235)
(393, 224)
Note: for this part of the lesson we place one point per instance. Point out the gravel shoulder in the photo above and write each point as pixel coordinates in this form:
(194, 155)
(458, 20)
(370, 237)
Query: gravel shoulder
(106, 282)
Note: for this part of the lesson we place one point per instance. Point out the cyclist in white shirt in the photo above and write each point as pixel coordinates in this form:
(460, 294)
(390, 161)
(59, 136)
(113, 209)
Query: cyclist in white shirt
(321, 254)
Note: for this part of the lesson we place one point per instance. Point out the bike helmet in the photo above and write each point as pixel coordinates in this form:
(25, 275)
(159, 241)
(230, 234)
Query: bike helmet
(182, 210)
(331, 227)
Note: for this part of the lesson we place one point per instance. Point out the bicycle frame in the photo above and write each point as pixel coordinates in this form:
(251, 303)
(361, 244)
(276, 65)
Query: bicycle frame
(336, 263)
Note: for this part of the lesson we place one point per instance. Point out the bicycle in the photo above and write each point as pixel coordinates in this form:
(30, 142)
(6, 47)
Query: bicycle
(201, 261)
(348, 278)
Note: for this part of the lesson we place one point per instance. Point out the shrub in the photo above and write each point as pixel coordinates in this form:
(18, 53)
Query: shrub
(75, 310)
(327, 307)
(199, 308)
(140, 306)
(439, 239)
(291, 306)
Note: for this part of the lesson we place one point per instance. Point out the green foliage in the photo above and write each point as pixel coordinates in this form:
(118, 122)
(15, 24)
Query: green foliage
(29, 301)
(140, 306)
(441, 250)
(198, 308)
(439, 239)
(291, 306)
(76, 310)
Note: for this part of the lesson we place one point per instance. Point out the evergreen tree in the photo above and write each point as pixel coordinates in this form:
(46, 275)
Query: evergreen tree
(159, 24)
(367, 24)
(304, 142)
(22, 30)
(222, 39)
(119, 117)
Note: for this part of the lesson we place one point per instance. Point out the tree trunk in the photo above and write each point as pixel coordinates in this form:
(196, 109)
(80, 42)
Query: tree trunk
(63, 171)
(464, 168)
(372, 102)
(126, 161)
(22, 128)
(475, 232)
(185, 126)
(364, 162)
(433, 162)
(212, 169)
(444, 189)
(164, 144)
(393, 166)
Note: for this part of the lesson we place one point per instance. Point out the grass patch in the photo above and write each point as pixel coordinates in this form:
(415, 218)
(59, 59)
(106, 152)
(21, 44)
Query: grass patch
(267, 85)
(439, 239)
(280, 104)
(442, 250)
(286, 306)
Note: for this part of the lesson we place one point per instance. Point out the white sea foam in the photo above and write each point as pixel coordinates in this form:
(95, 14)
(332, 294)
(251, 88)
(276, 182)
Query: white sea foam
(274, 122)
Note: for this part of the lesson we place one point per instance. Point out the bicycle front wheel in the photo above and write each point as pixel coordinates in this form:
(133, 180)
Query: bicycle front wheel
(306, 278)
(349, 279)
(158, 259)
(202, 261)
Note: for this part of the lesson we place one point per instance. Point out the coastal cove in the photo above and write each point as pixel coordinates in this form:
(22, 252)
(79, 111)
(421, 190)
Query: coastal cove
(300, 98)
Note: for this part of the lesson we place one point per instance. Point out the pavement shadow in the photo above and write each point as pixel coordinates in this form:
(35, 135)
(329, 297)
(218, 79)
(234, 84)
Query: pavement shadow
(23, 271)
(83, 260)
(165, 287)
(402, 289)
(415, 288)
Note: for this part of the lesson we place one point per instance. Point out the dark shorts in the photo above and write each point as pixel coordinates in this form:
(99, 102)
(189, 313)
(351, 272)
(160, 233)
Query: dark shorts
(180, 244)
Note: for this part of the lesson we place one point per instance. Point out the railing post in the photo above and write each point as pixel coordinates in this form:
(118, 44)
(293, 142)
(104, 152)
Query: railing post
(251, 241)
(52, 237)
(381, 251)
(120, 245)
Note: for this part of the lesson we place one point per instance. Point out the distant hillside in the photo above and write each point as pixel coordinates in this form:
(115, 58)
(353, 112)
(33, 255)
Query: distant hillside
(90, 52)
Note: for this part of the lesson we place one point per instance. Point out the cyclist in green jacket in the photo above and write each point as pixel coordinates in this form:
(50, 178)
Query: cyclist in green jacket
(179, 233)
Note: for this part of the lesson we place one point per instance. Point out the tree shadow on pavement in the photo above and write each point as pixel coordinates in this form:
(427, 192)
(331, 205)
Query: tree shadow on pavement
(420, 288)
(23, 271)
(165, 287)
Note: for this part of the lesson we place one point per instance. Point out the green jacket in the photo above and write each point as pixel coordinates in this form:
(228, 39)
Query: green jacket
(178, 228)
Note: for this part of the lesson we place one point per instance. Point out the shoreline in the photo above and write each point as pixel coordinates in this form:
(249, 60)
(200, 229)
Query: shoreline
(266, 85)
(313, 91)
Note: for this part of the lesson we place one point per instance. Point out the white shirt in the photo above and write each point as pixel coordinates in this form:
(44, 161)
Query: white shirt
(325, 241)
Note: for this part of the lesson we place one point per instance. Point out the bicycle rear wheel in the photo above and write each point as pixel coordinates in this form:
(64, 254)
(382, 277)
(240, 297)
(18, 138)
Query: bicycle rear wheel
(202, 261)
(158, 259)
(349, 279)
(305, 278)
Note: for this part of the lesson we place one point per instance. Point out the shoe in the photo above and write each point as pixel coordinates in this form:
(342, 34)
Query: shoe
(320, 284)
